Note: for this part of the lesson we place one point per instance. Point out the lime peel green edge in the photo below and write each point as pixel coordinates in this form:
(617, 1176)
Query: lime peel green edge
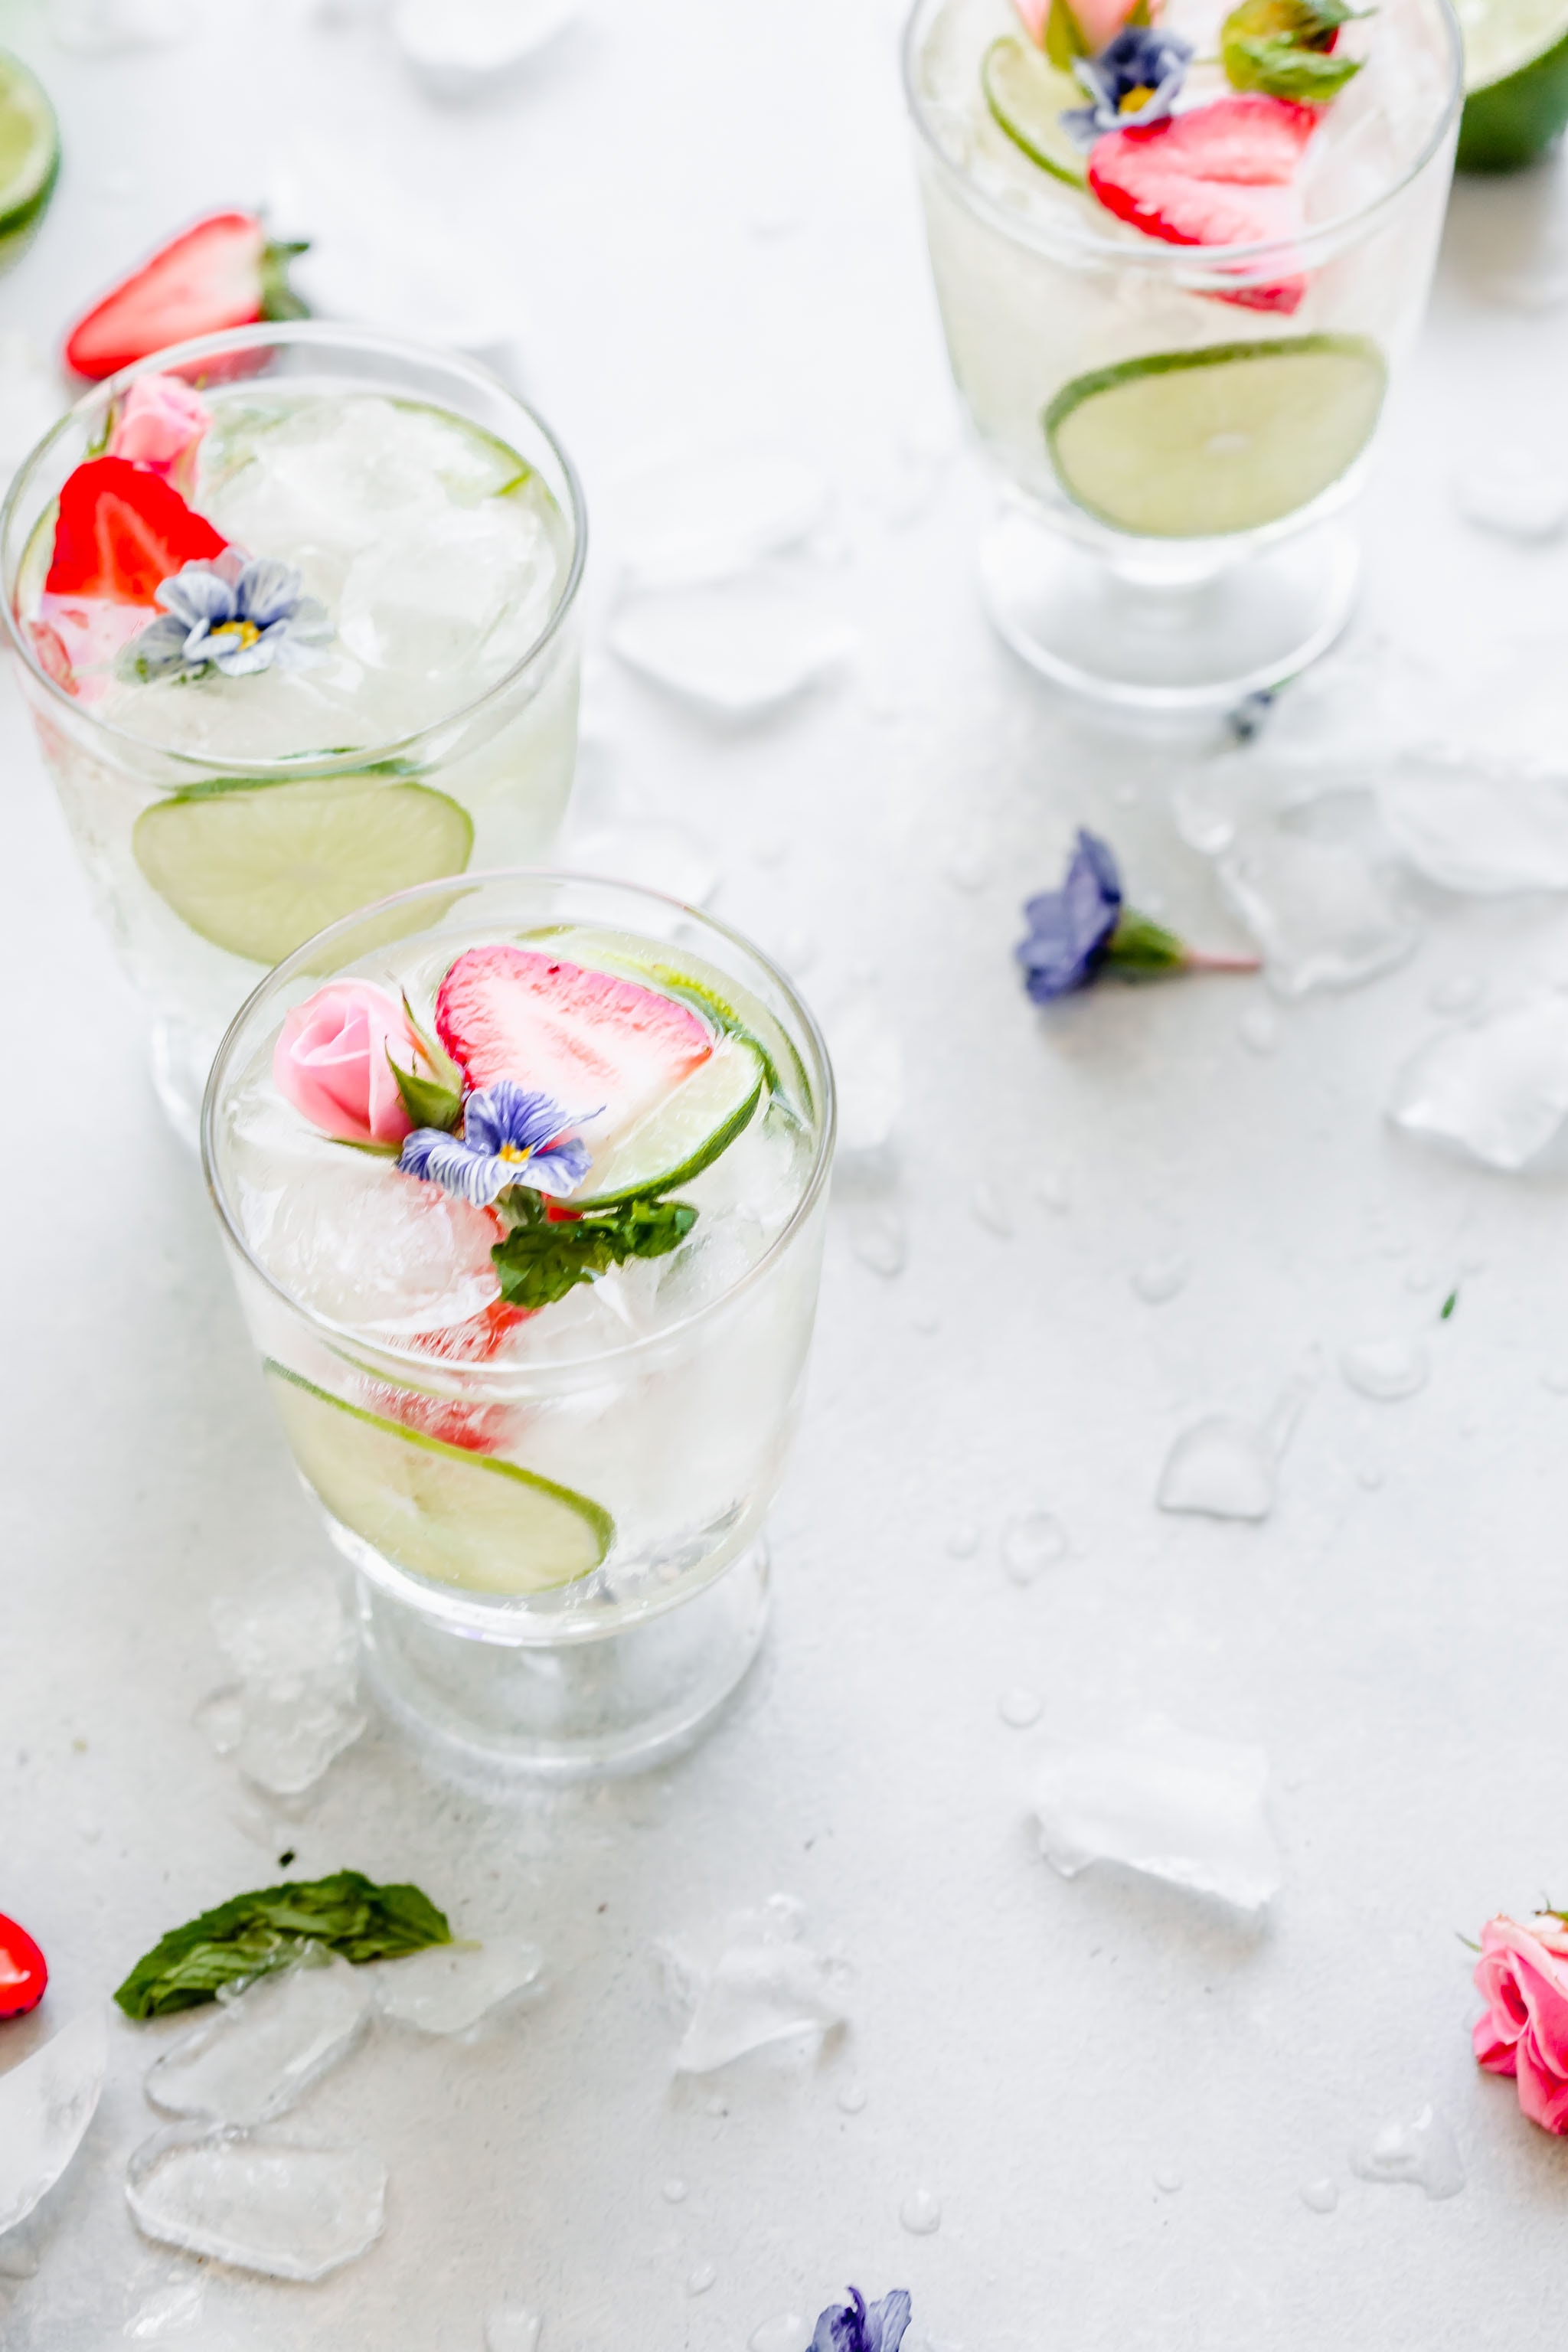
(719, 1141)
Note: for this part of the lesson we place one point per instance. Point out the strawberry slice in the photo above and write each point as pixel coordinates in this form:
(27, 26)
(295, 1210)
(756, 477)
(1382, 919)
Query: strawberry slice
(222, 272)
(23, 1971)
(120, 530)
(587, 1039)
(1221, 175)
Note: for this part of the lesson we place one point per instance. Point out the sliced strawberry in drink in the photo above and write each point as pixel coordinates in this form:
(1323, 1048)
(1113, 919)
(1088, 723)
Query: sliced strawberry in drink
(120, 530)
(478, 1339)
(592, 1041)
(1221, 175)
(222, 272)
(477, 1428)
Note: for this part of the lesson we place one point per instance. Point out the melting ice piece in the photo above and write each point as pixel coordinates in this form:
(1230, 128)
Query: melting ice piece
(1388, 1369)
(513, 2327)
(920, 2213)
(169, 2310)
(1421, 2154)
(1227, 1469)
(707, 517)
(1497, 1087)
(266, 2046)
(450, 1987)
(45, 2106)
(295, 1706)
(660, 856)
(764, 1987)
(1169, 1802)
(461, 48)
(869, 1072)
(1523, 493)
(1475, 828)
(1319, 910)
(262, 2204)
(736, 651)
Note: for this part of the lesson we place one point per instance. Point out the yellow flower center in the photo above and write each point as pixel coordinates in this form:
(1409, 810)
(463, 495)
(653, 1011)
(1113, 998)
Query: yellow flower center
(245, 632)
(510, 1151)
(1135, 97)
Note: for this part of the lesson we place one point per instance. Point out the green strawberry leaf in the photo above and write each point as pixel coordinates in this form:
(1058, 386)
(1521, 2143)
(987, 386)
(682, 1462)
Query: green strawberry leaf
(540, 1261)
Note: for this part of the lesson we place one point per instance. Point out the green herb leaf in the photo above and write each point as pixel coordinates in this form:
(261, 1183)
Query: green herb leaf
(1142, 949)
(255, 1933)
(1280, 48)
(426, 1101)
(279, 299)
(1447, 1306)
(541, 1262)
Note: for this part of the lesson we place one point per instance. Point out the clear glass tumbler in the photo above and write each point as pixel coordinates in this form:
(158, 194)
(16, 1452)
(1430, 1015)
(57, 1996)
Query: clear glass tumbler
(1175, 428)
(557, 1521)
(223, 819)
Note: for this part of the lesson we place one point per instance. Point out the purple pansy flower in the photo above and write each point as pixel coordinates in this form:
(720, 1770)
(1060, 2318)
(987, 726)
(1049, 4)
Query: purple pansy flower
(1070, 929)
(237, 614)
(1133, 81)
(510, 1137)
(860, 2326)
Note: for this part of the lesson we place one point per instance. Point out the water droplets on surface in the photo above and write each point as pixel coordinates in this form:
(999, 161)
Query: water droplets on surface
(294, 1707)
(1321, 2196)
(1481, 827)
(452, 1987)
(963, 1542)
(1171, 1803)
(785, 2331)
(1417, 2153)
(1319, 910)
(868, 1071)
(659, 857)
(674, 2191)
(1222, 1468)
(1520, 493)
(1555, 1379)
(761, 1987)
(1031, 1544)
(706, 517)
(879, 1239)
(1159, 1279)
(969, 868)
(1168, 2179)
(45, 2106)
(1496, 1088)
(1461, 992)
(699, 2280)
(169, 2310)
(1387, 1369)
(851, 2098)
(736, 651)
(1258, 1029)
(461, 48)
(1019, 1708)
(260, 2203)
(920, 2213)
(993, 1209)
(513, 2327)
(267, 2044)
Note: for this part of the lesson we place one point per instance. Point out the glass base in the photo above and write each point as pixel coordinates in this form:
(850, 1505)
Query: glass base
(617, 1705)
(1166, 643)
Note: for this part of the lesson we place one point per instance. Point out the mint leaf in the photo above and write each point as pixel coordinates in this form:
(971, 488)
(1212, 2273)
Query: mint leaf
(542, 1262)
(1140, 947)
(255, 1933)
(427, 1102)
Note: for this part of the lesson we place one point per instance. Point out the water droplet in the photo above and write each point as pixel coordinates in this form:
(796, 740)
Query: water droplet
(675, 2192)
(1053, 1189)
(463, 51)
(699, 2280)
(970, 868)
(1461, 992)
(1419, 1277)
(786, 2332)
(1319, 2196)
(963, 1542)
(1520, 493)
(737, 650)
(1420, 2153)
(1372, 1474)
(1020, 1707)
(1168, 2180)
(927, 1322)
(991, 1211)
(717, 2105)
(1387, 1369)
(511, 2327)
(1033, 1544)
(878, 1238)
(1555, 1378)
(797, 951)
(1159, 1279)
(920, 2213)
(1222, 1468)
(1258, 1029)
(852, 2099)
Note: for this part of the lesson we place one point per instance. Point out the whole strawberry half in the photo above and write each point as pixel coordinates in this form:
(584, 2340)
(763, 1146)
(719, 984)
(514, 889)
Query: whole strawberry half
(222, 272)
(120, 531)
(1221, 175)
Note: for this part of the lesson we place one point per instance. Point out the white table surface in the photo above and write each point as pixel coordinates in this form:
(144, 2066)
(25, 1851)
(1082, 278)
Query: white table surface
(706, 235)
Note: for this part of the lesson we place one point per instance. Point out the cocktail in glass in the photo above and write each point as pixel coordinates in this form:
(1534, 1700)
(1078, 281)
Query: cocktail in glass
(538, 1356)
(295, 609)
(1174, 425)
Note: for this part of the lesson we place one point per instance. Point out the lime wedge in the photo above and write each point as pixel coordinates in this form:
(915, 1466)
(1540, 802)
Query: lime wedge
(1029, 96)
(437, 1509)
(259, 868)
(29, 154)
(1516, 81)
(1193, 444)
(684, 1133)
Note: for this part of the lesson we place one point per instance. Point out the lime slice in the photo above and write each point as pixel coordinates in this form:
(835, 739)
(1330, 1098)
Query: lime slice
(437, 1509)
(29, 152)
(684, 1133)
(259, 868)
(1029, 96)
(1193, 444)
(1516, 81)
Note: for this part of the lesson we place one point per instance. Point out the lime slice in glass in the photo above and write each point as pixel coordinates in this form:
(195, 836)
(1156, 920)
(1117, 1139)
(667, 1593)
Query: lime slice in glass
(437, 1509)
(1029, 96)
(1194, 445)
(1516, 81)
(29, 152)
(686, 1132)
(258, 868)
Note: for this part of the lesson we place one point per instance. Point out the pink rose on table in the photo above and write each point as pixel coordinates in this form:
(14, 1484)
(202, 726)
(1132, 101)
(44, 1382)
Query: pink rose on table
(159, 425)
(330, 1062)
(1522, 1975)
(1097, 22)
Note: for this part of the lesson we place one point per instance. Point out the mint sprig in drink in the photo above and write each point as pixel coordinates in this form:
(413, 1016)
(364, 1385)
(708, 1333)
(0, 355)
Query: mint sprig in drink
(522, 1178)
(1179, 262)
(295, 613)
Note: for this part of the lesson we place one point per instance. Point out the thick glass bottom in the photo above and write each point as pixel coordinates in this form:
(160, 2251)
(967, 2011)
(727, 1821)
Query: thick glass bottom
(617, 1705)
(1166, 644)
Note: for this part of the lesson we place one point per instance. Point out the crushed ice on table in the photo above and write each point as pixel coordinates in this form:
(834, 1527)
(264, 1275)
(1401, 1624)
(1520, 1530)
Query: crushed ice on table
(1496, 1088)
(1481, 826)
(1522, 493)
(869, 1072)
(267, 2045)
(785, 2331)
(991, 1208)
(878, 1238)
(260, 2203)
(1031, 1544)
(109, 24)
(920, 2213)
(736, 650)
(757, 1986)
(1165, 1801)
(659, 857)
(449, 1988)
(513, 2327)
(707, 517)
(169, 2310)
(1159, 1279)
(1319, 2196)
(463, 48)
(1417, 2153)
(1322, 912)
(294, 1707)
(30, 401)
(45, 2106)
(1387, 1369)
(1019, 1708)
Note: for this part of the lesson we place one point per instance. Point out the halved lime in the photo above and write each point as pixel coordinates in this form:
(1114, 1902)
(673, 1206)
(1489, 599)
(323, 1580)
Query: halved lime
(1029, 96)
(258, 868)
(29, 152)
(437, 1509)
(1194, 445)
(1516, 81)
(684, 1133)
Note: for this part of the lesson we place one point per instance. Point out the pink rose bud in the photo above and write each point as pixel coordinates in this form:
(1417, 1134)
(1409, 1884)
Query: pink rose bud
(330, 1062)
(160, 423)
(1098, 21)
(1522, 1974)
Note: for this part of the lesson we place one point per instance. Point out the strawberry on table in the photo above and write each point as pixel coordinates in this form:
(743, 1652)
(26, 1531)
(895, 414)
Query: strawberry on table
(222, 272)
(23, 1971)
(1221, 174)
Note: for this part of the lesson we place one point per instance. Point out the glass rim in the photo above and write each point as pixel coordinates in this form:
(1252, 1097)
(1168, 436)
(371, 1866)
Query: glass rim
(1090, 247)
(443, 1375)
(305, 332)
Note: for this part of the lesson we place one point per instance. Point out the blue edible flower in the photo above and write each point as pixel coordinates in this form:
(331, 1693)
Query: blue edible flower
(235, 615)
(1083, 928)
(860, 2326)
(1133, 81)
(510, 1137)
